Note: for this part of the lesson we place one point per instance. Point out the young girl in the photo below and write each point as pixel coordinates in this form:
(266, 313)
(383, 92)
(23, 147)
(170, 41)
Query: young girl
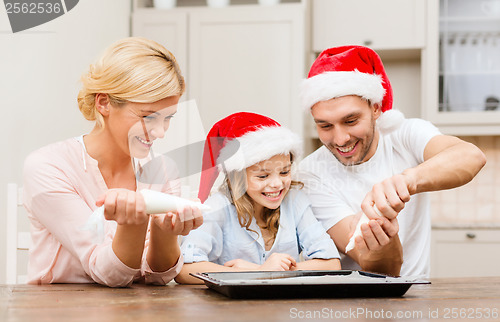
(260, 220)
(131, 93)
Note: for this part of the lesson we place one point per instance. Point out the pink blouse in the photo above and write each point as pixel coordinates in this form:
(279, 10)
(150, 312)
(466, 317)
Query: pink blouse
(61, 186)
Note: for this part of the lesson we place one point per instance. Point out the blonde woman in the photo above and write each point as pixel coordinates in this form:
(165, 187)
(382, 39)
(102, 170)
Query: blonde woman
(259, 220)
(131, 93)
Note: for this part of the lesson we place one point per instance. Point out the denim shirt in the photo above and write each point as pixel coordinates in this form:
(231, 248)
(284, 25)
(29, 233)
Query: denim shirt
(221, 237)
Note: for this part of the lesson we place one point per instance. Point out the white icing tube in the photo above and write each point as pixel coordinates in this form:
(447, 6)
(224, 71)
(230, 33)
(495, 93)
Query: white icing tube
(156, 203)
(159, 202)
(357, 232)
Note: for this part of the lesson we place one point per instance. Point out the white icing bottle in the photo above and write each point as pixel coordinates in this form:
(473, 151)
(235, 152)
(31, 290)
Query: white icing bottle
(159, 202)
(156, 203)
(357, 232)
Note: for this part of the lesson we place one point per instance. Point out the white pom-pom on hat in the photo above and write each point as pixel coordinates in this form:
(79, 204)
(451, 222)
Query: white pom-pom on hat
(389, 121)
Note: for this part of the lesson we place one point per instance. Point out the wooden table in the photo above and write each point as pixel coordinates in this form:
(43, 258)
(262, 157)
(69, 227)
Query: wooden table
(455, 299)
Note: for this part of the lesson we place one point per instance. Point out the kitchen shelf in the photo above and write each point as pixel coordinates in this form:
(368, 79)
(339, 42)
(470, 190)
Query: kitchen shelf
(469, 19)
(475, 226)
(495, 72)
(468, 71)
(148, 4)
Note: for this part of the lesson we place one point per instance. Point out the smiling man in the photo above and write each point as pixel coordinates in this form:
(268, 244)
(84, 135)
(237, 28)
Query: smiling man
(376, 162)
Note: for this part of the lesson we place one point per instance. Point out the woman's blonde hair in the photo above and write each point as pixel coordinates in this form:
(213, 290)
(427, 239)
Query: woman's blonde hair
(235, 187)
(133, 69)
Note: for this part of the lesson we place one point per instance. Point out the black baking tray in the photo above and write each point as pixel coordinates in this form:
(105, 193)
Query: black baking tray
(306, 284)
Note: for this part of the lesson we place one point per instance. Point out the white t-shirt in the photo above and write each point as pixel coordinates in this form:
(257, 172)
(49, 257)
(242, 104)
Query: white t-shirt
(336, 191)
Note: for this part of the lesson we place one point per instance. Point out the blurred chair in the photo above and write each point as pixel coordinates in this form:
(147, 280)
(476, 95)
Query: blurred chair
(16, 240)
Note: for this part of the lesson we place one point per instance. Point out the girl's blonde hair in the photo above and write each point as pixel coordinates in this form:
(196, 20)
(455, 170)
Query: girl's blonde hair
(131, 70)
(235, 185)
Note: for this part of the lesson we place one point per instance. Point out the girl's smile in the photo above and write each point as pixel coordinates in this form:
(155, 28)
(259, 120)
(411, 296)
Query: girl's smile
(269, 181)
(273, 196)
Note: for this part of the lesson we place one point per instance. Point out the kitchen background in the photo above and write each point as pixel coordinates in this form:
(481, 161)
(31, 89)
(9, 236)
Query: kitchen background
(252, 56)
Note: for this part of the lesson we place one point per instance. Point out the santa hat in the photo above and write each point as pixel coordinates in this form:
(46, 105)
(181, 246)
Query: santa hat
(351, 70)
(241, 140)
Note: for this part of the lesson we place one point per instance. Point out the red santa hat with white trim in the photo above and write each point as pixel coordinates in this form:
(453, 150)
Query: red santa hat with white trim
(242, 140)
(351, 70)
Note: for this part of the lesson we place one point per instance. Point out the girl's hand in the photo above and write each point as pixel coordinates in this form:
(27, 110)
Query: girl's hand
(242, 264)
(279, 262)
(180, 222)
(126, 207)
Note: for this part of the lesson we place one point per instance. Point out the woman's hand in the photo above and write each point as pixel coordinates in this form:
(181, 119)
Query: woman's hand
(278, 262)
(126, 207)
(241, 264)
(180, 222)
(163, 250)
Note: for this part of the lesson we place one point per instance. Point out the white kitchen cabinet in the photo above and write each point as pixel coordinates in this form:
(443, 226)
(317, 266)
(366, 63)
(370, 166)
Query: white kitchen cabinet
(379, 24)
(403, 32)
(468, 69)
(247, 59)
(168, 27)
(237, 58)
(465, 252)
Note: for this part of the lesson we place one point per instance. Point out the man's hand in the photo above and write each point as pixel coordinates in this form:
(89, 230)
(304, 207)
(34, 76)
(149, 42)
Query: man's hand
(375, 234)
(389, 196)
(378, 249)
